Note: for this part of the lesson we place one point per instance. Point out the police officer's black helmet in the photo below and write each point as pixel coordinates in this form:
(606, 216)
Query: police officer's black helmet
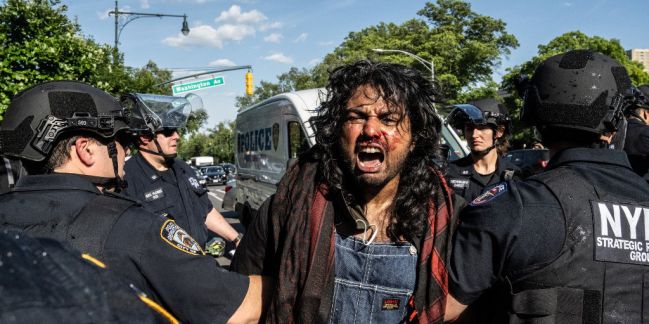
(579, 90)
(38, 116)
(486, 111)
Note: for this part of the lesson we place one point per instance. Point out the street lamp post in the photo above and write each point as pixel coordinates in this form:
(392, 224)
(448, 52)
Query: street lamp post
(137, 15)
(429, 65)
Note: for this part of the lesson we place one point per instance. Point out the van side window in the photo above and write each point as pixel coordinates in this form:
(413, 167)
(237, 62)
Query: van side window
(297, 142)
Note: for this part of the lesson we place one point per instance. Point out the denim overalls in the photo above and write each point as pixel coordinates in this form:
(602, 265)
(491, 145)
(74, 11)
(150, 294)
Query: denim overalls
(373, 282)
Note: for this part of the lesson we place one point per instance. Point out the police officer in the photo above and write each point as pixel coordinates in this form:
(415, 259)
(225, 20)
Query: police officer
(485, 125)
(79, 135)
(10, 171)
(568, 244)
(45, 281)
(162, 182)
(637, 132)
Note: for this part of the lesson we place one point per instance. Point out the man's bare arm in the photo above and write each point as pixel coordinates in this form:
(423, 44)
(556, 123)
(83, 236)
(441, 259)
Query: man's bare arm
(256, 301)
(453, 309)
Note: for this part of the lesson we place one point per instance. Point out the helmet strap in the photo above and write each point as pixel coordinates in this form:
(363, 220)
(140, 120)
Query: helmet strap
(481, 153)
(117, 182)
(169, 158)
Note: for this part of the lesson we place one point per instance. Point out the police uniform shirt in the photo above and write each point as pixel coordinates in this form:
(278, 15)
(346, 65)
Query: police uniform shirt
(468, 183)
(637, 147)
(151, 251)
(518, 226)
(10, 171)
(175, 192)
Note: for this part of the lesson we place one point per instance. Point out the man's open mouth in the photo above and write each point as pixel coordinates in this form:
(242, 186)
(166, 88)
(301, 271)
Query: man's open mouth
(370, 158)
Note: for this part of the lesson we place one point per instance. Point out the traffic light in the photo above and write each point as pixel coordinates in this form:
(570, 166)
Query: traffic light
(249, 88)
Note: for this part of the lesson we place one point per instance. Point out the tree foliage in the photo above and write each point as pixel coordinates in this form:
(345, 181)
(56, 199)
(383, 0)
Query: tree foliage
(265, 90)
(464, 46)
(197, 119)
(38, 42)
(293, 80)
(218, 142)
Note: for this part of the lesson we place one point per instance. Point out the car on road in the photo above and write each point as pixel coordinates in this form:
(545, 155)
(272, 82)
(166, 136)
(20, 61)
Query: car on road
(230, 169)
(230, 195)
(530, 161)
(215, 174)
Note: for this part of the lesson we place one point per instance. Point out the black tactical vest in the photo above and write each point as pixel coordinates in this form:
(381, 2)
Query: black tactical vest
(602, 272)
(88, 230)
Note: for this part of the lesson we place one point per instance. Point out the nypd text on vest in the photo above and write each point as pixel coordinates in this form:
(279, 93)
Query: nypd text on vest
(621, 232)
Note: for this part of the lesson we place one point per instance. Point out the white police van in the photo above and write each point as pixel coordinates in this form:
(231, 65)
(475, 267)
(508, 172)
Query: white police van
(274, 131)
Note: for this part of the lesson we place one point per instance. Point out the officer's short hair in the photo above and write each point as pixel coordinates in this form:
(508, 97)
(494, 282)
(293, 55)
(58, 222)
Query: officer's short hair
(555, 135)
(61, 151)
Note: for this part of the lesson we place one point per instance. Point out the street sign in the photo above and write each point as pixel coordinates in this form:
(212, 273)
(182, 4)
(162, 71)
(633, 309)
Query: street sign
(197, 85)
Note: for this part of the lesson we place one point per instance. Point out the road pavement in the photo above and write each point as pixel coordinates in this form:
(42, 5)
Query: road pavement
(216, 197)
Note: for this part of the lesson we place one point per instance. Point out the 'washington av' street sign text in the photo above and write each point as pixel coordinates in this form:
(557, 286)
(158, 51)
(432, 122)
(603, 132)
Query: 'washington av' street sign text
(197, 85)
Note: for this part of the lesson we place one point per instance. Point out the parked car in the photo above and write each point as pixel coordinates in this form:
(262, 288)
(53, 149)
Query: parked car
(230, 195)
(230, 169)
(215, 174)
(530, 161)
(202, 178)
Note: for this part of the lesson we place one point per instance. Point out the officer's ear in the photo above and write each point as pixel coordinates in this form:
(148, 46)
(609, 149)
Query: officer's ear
(85, 149)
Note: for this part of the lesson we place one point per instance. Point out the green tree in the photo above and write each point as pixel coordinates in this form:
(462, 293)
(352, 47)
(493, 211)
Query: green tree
(569, 41)
(38, 43)
(144, 80)
(221, 145)
(265, 90)
(197, 119)
(293, 80)
(194, 145)
(464, 46)
(218, 143)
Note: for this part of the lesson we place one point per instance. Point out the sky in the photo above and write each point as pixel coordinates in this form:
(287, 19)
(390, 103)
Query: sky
(273, 36)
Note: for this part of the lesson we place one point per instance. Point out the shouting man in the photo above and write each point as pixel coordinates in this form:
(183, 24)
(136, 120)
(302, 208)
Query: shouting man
(358, 230)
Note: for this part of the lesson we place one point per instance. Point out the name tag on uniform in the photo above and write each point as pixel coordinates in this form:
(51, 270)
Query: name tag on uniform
(620, 232)
(154, 194)
(459, 183)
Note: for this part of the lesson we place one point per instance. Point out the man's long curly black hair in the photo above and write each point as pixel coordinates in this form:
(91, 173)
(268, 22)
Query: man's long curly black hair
(399, 86)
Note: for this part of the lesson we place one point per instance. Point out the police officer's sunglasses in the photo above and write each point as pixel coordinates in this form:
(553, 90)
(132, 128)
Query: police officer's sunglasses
(168, 132)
